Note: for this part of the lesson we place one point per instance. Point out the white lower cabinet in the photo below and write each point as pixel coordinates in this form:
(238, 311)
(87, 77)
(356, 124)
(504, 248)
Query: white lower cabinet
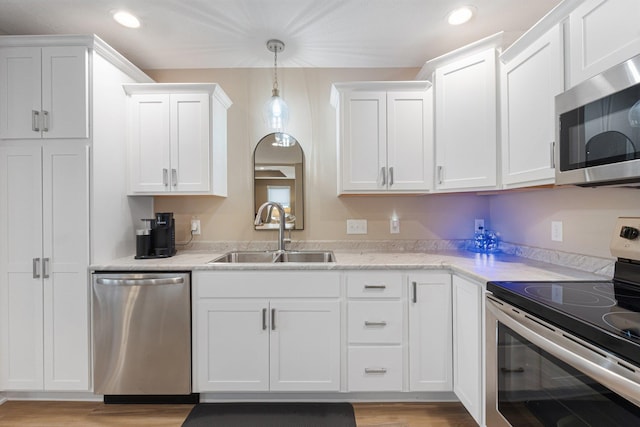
(258, 331)
(44, 254)
(375, 331)
(430, 352)
(468, 354)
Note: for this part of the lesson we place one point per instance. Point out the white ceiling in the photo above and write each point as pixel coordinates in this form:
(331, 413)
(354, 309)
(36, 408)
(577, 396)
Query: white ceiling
(233, 33)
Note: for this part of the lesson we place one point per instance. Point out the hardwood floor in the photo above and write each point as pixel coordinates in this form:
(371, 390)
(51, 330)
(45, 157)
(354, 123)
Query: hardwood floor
(96, 414)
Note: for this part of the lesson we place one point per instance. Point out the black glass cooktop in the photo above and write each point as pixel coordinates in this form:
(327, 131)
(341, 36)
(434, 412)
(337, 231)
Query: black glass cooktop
(599, 312)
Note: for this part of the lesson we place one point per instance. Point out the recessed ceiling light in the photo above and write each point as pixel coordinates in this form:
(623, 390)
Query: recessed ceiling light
(460, 15)
(126, 19)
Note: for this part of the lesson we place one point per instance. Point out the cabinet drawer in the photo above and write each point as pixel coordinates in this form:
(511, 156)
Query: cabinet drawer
(375, 322)
(375, 369)
(374, 285)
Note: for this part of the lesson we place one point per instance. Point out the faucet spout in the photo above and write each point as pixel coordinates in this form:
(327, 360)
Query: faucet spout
(281, 213)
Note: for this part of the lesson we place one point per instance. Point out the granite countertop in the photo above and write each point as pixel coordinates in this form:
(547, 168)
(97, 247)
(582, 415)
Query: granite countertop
(479, 267)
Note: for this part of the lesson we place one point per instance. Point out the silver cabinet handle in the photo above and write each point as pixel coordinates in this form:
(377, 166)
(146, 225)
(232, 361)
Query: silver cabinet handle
(414, 286)
(174, 177)
(383, 174)
(35, 121)
(375, 286)
(264, 319)
(45, 117)
(552, 149)
(390, 176)
(380, 323)
(375, 370)
(45, 268)
(165, 177)
(440, 170)
(36, 268)
(273, 319)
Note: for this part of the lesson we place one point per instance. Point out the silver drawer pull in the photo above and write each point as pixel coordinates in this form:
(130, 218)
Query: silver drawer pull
(45, 268)
(369, 323)
(165, 177)
(375, 370)
(264, 319)
(174, 177)
(375, 286)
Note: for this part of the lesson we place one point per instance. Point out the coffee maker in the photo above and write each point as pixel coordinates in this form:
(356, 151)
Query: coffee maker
(158, 238)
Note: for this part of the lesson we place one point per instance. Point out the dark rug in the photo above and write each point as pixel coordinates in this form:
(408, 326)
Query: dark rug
(276, 414)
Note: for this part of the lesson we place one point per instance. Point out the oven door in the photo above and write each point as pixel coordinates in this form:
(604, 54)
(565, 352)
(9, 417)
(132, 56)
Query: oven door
(537, 375)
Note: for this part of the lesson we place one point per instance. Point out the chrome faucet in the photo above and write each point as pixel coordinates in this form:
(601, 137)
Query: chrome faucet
(281, 213)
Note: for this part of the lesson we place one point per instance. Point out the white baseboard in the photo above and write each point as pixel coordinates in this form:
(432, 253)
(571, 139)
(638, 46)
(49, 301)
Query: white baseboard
(57, 395)
(2, 399)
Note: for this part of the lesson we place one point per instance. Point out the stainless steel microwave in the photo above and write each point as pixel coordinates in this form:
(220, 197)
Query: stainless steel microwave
(598, 129)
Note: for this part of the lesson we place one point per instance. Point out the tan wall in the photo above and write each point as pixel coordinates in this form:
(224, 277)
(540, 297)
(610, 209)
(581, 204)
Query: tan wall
(307, 91)
(588, 217)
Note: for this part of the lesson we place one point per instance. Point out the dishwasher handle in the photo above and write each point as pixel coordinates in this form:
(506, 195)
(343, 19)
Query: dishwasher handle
(143, 281)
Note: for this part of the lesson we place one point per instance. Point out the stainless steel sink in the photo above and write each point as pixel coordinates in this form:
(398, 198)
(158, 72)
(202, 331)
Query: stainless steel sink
(246, 257)
(307, 256)
(268, 257)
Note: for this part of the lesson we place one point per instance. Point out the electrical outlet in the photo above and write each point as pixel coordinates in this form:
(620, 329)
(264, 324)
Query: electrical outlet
(195, 226)
(356, 226)
(478, 223)
(556, 231)
(394, 225)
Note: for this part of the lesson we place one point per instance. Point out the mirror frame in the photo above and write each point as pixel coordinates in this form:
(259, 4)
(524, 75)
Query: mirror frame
(298, 205)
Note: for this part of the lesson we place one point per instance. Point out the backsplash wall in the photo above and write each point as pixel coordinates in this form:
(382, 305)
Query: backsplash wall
(313, 123)
(588, 217)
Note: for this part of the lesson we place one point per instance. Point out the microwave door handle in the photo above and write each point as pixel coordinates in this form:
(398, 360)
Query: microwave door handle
(552, 154)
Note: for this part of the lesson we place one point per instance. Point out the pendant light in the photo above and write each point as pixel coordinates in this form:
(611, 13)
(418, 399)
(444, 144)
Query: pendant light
(276, 112)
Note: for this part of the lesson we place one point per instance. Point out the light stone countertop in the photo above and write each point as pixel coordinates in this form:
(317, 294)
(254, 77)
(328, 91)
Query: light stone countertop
(479, 267)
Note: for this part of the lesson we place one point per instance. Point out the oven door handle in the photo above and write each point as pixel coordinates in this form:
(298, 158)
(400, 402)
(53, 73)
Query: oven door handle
(571, 353)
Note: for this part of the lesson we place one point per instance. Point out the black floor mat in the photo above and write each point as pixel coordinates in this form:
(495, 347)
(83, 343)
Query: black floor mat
(277, 414)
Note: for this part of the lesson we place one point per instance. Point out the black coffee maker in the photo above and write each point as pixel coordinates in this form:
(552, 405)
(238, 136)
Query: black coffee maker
(158, 238)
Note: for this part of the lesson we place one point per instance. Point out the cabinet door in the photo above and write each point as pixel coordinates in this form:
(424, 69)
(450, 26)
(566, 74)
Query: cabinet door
(468, 326)
(232, 345)
(190, 147)
(530, 82)
(149, 138)
(364, 141)
(20, 92)
(65, 92)
(430, 320)
(603, 33)
(21, 333)
(64, 269)
(465, 123)
(409, 140)
(305, 345)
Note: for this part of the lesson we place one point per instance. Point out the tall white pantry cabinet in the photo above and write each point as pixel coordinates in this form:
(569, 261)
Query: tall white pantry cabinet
(63, 201)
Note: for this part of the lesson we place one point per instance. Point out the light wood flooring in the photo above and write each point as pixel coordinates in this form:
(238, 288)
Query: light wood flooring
(95, 414)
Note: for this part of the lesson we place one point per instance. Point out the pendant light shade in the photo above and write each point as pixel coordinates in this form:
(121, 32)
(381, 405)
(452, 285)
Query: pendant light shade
(276, 111)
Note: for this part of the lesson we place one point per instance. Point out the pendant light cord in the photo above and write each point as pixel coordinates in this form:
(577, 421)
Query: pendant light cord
(275, 68)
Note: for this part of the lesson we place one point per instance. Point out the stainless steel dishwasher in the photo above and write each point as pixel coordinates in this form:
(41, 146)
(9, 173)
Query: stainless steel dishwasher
(141, 333)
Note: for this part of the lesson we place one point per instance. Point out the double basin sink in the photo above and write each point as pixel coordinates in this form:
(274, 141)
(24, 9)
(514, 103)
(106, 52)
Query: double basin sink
(270, 257)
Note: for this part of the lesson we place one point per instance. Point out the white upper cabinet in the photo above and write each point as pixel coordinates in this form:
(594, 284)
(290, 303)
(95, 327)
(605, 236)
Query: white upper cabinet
(530, 80)
(384, 137)
(44, 92)
(465, 123)
(177, 139)
(603, 33)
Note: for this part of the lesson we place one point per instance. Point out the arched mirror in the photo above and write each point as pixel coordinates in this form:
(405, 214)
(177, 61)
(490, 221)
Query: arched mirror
(278, 176)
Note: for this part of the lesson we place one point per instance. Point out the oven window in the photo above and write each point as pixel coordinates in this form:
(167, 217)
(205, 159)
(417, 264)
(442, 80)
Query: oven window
(537, 389)
(602, 132)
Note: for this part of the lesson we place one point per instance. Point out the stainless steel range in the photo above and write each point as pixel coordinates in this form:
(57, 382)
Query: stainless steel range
(567, 353)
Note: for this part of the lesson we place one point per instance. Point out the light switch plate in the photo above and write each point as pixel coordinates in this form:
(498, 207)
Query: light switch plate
(556, 231)
(394, 226)
(477, 224)
(356, 226)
